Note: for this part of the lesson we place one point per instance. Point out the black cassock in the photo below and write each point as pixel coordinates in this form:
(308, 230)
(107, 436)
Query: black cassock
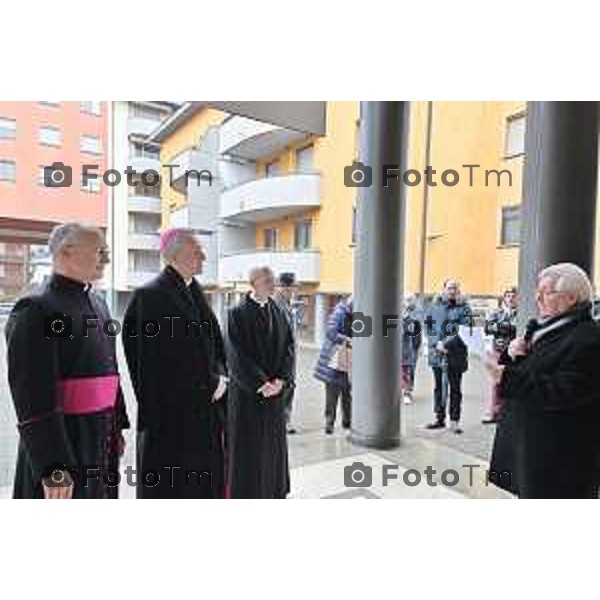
(65, 389)
(175, 370)
(260, 348)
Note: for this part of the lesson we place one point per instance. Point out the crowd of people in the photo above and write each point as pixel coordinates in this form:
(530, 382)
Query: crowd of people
(214, 408)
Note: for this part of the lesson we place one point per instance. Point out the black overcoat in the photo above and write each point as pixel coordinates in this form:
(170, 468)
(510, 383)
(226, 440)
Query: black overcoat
(260, 347)
(548, 438)
(175, 355)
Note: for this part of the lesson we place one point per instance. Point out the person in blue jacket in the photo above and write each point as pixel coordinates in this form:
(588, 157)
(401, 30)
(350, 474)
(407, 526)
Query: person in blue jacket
(448, 354)
(336, 377)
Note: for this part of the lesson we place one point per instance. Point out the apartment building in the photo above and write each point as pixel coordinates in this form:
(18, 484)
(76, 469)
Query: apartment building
(278, 197)
(265, 201)
(34, 135)
(134, 210)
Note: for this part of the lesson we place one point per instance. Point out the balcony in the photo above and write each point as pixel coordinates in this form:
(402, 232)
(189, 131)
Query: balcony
(188, 160)
(136, 279)
(144, 162)
(144, 204)
(143, 241)
(141, 126)
(271, 197)
(249, 139)
(306, 264)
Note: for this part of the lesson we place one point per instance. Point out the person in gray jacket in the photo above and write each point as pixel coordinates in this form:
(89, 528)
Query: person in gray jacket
(448, 354)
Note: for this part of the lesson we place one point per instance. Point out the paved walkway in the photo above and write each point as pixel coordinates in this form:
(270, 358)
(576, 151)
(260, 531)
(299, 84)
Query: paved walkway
(318, 461)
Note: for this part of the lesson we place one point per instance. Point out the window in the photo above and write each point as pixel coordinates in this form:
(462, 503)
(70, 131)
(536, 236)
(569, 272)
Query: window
(8, 129)
(143, 223)
(50, 136)
(140, 151)
(304, 159)
(272, 169)
(145, 261)
(91, 107)
(93, 185)
(147, 191)
(141, 111)
(8, 170)
(90, 144)
(514, 143)
(270, 238)
(510, 234)
(41, 180)
(303, 235)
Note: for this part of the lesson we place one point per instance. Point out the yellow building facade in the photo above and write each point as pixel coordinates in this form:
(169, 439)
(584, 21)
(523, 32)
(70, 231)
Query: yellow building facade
(468, 231)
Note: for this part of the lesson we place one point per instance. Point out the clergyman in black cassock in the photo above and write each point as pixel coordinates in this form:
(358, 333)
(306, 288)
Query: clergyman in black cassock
(176, 374)
(260, 349)
(63, 376)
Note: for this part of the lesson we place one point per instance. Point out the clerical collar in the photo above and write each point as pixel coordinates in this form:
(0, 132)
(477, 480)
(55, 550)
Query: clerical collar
(254, 298)
(173, 271)
(63, 282)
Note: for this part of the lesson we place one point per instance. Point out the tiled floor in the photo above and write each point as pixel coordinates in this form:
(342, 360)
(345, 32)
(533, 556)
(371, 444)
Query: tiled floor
(317, 461)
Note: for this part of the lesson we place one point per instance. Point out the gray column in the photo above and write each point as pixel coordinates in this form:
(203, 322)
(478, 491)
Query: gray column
(378, 274)
(559, 192)
(320, 319)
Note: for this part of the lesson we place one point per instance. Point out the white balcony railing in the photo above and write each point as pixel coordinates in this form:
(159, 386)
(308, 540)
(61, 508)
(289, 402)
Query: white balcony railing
(144, 162)
(143, 241)
(138, 278)
(250, 139)
(306, 264)
(143, 204)
(141, 125)
(271, 197)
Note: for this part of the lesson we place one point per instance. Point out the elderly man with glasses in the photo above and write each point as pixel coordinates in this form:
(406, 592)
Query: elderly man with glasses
(547, 444)
(64, 379)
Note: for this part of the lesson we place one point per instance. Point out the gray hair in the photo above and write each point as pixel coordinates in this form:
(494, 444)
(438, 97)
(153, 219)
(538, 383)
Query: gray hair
(568, 277)
(172, 239)
(256, 272)
(68, 234)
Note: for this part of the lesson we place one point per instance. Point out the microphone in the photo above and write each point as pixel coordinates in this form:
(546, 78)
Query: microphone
(531, 327)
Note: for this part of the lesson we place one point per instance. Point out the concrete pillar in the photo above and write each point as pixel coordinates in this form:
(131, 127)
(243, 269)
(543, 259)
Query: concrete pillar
(559, 192)
(320, 319)
(378, 276)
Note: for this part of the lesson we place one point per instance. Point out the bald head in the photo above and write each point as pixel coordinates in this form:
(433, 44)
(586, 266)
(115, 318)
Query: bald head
(78, 251)
(262, 281)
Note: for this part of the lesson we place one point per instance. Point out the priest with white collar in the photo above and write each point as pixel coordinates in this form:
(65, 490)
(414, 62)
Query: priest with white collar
(260, 348)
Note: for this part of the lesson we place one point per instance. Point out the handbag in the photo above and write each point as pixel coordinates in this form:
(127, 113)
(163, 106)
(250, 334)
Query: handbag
(341, 359)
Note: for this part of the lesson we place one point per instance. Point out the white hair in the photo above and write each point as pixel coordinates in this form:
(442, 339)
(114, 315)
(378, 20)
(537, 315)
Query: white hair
(173, 239)
(257, 272)
(568, 277)
(68, 234)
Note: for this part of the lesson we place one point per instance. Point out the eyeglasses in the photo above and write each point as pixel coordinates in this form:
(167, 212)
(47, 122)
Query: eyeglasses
(548, 293)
